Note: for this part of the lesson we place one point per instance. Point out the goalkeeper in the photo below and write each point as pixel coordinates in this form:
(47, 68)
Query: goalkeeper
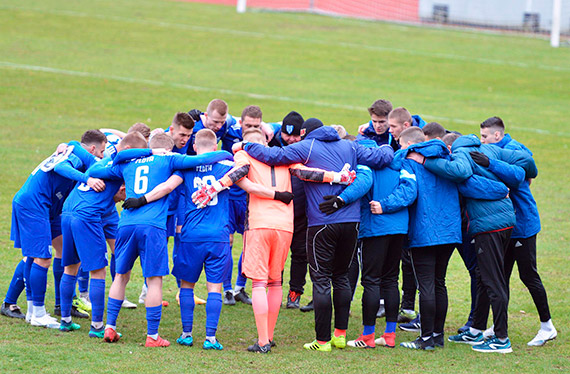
(267, 242)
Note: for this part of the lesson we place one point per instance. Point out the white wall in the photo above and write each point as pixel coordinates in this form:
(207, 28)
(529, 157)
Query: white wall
(498, 12)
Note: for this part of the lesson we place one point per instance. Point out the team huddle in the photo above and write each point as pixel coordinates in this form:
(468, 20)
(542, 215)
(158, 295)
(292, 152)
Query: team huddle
(402, 194)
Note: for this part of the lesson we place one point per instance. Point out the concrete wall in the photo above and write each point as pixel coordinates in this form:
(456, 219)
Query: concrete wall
(498, 12)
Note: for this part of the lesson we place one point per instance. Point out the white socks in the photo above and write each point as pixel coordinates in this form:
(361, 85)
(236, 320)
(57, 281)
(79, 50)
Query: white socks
(547, 326)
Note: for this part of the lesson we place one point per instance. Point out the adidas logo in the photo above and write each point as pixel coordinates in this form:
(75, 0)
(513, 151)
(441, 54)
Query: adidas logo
(518, 244)
(480, 251)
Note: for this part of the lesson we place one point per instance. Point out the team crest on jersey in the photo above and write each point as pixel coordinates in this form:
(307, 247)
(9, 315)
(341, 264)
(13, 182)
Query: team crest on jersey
(289, 129)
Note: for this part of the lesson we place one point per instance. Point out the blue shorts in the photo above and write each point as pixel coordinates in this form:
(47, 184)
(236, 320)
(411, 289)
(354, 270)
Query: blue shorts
(84, 242)
(146, 241)
(110, 224)
(170, 225)
(55, 225)
(30, 232)
(238, 209)
(192, 257)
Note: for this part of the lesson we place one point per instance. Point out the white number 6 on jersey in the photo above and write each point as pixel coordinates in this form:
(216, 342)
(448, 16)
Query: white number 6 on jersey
(141, 179)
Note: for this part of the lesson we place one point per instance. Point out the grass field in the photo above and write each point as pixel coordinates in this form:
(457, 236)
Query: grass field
(69, 66)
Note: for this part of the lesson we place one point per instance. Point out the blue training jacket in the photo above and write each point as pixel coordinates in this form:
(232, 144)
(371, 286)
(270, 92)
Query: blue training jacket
(526, 211)
(322, 148)
(435, 215)
(485, 215)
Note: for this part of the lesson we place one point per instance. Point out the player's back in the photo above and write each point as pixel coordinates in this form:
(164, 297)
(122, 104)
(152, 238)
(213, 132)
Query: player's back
(267, 213)
(141, 176)
(90, 205)
(44, 187)
(209, 224)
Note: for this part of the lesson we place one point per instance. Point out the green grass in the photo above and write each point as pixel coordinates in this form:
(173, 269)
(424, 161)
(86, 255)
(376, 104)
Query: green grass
(69, 66)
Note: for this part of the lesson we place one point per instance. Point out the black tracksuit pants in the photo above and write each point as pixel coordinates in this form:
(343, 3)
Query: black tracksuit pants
(380, 267)
(408, 281)
(491, 281)
(298, 270)
(523, 252)
(430, 268)
(330, 249)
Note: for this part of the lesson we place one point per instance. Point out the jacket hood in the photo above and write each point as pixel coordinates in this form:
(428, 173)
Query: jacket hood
(466, 141)
(418, 121)
(324, 133)
(431, 148)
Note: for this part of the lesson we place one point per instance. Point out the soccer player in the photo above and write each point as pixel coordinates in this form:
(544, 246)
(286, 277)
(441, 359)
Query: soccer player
(142, 232)
(400, 119)
(204, 240)
(267, 242)
(491, 223)
(377, 128)
(333, 237)
(522, 245)
(84, 240)
(47, 187)
(434, 130)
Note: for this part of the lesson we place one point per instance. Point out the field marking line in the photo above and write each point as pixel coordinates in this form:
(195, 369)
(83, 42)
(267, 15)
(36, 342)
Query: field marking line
(45, 69)
(448, 56)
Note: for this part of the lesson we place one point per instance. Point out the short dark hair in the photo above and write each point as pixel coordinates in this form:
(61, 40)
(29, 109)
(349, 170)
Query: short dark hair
(90, 137)
(183, 119)
(252, 111)
(380, 107)
(412, 134)
(448, 139)
(493, 123)
(434, 130)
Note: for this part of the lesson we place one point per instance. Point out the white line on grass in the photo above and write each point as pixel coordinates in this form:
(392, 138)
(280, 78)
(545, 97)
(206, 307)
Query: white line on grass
(448, 56)
(45, 69)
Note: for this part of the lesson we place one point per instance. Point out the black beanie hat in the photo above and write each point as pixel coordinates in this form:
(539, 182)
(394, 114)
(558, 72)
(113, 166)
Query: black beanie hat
(292, 123)
(310, 125)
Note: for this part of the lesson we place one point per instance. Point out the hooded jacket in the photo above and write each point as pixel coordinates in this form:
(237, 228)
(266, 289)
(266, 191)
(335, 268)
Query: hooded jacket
(526, 211)
(322, 148)
(485, 215)
(434, 213)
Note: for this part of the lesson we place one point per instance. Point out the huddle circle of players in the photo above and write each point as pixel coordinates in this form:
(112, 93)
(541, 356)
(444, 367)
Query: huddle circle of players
(401, 193)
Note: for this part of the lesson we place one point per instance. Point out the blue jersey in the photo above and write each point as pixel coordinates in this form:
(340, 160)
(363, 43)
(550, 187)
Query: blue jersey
(50, 183)
(210, 224)
(142, 174)
(175, 196)
(90, 205)
(220, 134)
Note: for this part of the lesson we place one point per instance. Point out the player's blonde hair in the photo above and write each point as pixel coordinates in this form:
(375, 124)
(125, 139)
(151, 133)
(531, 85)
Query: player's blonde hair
(254, 136)
(161, 140)
(205, 138)
(413, 135)
(134, 140)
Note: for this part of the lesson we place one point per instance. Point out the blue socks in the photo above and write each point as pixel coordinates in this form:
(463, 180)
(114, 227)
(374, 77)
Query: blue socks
(83, 280)
(153, 315)
(38, 282)
(97, 297)
(57, 274)
(187, 309)
(28, 284)
(368, 330)
(390, 327)
(240, 281)
(213, 310)
(16, 285)
(113, 308)
(67, 285)
(112, 266)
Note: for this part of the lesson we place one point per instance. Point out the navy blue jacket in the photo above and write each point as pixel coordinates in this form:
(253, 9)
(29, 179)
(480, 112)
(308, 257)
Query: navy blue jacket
(485, 215)
(526, 211)
(323, 148)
